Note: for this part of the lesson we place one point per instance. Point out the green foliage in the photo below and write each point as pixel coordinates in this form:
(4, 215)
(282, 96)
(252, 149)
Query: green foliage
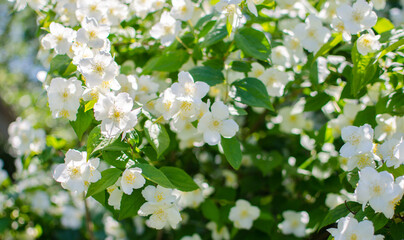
(179, 179)
(82, 123)
(252, 92)
(130, 204)
(108, 178)
(232, 151)
(169, 61)
(253, 43)
(207, 74)
(157, 136)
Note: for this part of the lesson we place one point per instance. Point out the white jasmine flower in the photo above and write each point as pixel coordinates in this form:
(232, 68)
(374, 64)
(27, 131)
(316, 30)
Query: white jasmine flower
(349, 228)
(231, 179)
(389, 151)
(391, 199)
(368, 43)
(292, 120)
(115, 195)
(24, 139)
(187, 88)
(398, 155)
(161, 205)
(146, 89)
(116, 11)
(167, 104)
(113, 228)
(231, 10)
(251, 6)
(362, 160)
(312, 34)
(218, 234)
(128, 84)
(357, 140)
(100, 70)
(243, 214)
(294, 223)
(358, 17)
(92, 34)
(91, 9)
(158, 194)
(275, 81)
(182, 9)
(379, 4)
(339, 26)
(162, 215)
(373, 187)
(295, 49)
(386, 126)
(158, 4)
(142, 7)
(166, 30)
(60, 38)
(280, 56)
(76, 173)
(216, 123)
(116, 114)
(132, 179)
(256, 70)
(64, 97)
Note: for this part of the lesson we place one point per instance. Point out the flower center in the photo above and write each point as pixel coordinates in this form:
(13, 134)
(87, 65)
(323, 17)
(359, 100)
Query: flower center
(159, 197)
(353, 237)
(98, 68)
(130, 178)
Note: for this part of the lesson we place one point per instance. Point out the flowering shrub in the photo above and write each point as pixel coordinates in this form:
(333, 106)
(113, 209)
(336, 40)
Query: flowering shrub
(210, 119)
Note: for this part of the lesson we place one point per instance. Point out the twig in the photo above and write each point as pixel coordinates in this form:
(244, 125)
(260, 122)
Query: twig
(89, 223)
(346, 205)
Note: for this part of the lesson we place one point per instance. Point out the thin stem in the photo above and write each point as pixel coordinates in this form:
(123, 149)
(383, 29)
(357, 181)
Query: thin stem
(346, 205)
(183, 44)
(89, 223)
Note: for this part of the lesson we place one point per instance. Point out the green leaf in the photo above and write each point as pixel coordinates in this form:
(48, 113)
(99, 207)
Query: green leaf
(391, 48)
(157, 136)
(339, 212)
(240, 66)
(108, 178)
(378, 219)
(117, 159)
(396, 231)
(383, 25)
(130, 204)
(229, 27)
(363, 70)
(317, 102)
(166, 62)
(155, 175)
(90, 105)
(210, 211)
(232, 151)
(59, 64)
(96, 142)
(327, 47)
(207, 74)
(82, 123)
(214, 36)
(180, 179)
(252, 92)
(368, 115)
(324, 135)
(253, 43)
